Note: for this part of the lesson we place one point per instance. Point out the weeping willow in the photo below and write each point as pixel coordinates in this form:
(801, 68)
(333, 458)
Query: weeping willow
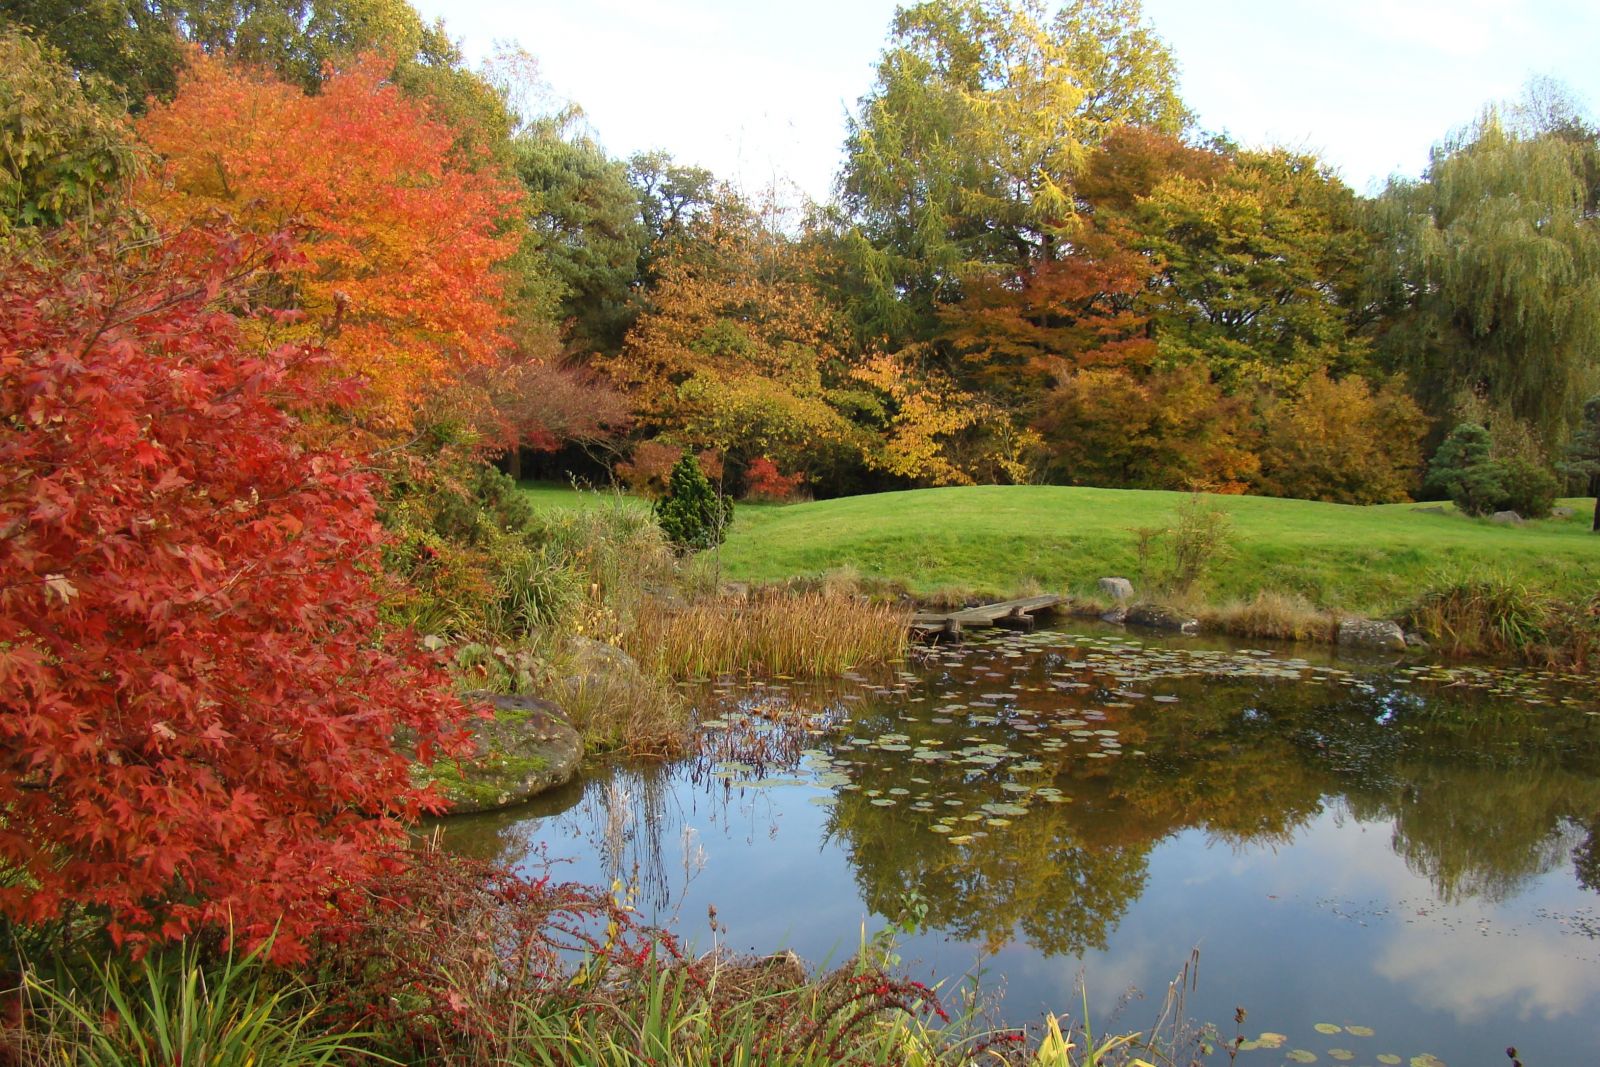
(1492, 268)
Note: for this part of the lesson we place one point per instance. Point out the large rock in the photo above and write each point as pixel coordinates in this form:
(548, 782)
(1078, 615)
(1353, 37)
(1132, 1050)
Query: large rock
(1372, 633)
(1115, 588)
(1506, 518)
(584, 656)
(526, 748)
(1160, 617)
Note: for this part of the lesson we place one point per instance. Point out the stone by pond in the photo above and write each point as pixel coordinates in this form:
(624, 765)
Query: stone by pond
(526, 748)
(1375, 861)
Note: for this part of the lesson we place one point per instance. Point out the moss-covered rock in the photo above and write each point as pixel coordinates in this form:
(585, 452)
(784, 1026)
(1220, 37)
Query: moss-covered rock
(526, 748)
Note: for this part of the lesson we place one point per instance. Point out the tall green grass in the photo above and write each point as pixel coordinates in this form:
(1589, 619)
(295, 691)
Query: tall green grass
(172, 1010)
(1483, 614)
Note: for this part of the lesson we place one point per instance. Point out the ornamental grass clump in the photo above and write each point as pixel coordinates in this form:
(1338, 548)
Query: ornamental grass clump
(814, 634)
(1482, 614)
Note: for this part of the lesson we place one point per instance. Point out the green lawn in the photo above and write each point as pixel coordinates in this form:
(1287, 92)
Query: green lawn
(557, 495)
(994, 539)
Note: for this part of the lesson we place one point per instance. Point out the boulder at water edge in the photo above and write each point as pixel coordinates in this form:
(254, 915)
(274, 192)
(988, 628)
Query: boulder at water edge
(1159, 617)
(525, 749)
(1372, 633)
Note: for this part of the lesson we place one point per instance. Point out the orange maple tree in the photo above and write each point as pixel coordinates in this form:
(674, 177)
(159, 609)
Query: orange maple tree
(1021, 331)
(401, 232)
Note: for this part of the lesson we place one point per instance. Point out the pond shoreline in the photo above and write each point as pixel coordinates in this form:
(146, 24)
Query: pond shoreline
(1488, 619)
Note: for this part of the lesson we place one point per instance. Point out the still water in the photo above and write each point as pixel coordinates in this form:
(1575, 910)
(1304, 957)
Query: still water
(1381, 862)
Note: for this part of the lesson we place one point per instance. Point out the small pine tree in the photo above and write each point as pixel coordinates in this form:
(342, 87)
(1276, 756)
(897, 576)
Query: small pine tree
(693, 515)
(1583, 455)
(1462, 469)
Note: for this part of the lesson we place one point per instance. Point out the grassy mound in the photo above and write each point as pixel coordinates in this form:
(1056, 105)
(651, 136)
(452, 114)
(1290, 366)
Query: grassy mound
(1001, 539)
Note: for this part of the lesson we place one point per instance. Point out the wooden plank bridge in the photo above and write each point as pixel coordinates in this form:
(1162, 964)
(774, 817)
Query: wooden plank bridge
(1010, 615)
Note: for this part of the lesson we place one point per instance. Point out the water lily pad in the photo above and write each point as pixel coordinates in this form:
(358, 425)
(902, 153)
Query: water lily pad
(1269, 1039)
(1327, 1028)
(1360, 1031)
(1005, 809)
(1341, 1054)
(883, 802)
(1388, 1059)
(1300, 1055)
(1426, 1059)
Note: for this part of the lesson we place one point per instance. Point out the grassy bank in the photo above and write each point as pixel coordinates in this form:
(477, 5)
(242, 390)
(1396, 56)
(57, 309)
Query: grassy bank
(1000, 539)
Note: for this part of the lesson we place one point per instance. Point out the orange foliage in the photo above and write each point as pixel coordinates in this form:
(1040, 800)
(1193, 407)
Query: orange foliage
(1132, 160)
(1344, 442)
(400, 234)
(1021, 332)
(735, 303)
(1156, 429)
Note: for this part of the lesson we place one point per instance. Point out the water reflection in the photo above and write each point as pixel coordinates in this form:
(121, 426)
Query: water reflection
(1398, 843)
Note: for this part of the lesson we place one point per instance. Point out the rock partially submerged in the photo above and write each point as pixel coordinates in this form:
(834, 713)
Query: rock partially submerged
(1378, 634)
(526, 748)
(1160, 617)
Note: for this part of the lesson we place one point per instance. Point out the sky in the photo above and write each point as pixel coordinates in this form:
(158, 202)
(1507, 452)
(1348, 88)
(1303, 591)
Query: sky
(758, 92)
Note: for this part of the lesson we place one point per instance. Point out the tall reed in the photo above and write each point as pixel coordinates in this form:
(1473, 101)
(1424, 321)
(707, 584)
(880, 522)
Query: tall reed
(808, 634)
(1282, 616)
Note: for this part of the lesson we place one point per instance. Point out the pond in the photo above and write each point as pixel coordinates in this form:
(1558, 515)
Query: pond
(1381, 862)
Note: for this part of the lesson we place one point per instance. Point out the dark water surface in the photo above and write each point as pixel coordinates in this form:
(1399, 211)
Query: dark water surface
(1375, 860)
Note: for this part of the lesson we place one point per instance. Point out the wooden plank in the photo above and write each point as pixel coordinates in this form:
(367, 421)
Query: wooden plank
(1011, 615)
(989, 614)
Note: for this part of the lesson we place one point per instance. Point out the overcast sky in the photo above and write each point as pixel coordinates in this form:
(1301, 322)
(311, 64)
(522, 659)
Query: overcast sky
(757, 91)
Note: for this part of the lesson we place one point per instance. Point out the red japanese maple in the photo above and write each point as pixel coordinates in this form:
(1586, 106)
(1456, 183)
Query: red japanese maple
(198, 711)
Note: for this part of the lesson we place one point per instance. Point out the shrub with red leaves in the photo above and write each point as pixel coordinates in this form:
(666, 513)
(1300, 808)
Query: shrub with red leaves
(452, 956)
(197, 710)
(763, 481)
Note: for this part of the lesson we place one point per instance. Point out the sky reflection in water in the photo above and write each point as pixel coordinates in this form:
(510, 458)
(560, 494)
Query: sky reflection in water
(1406, 849)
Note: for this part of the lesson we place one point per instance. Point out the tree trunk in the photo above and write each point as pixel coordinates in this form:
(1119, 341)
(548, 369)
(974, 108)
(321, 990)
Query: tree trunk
(514, 464)
(1594, 488)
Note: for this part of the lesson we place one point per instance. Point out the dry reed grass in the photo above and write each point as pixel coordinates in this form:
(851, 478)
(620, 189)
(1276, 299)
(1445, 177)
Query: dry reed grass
(1283, 616)
(633, 714)
(804, 635)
